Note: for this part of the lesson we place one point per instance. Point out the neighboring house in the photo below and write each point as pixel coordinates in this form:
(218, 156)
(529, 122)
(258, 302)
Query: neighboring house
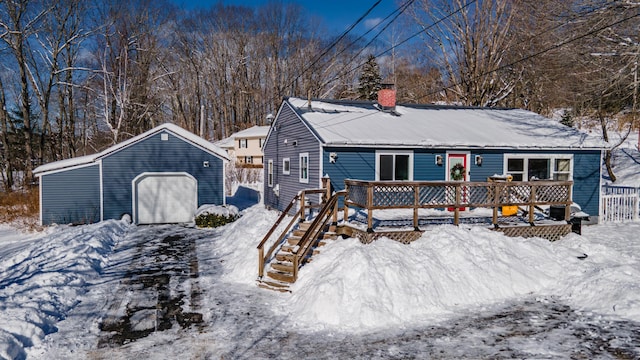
(246, 145)
(160, 176)
(368, 141)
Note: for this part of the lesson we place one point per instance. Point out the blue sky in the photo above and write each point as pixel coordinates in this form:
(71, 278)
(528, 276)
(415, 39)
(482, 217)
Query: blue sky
(337, 15)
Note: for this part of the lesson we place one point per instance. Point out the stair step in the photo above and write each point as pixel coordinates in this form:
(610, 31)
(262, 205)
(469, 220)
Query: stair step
(298, 232)
(304, 225)
(273, 285)
(293, 240)
(328, 235)
(288, 248)
(276, 275)
(284, 256)
(283, 267)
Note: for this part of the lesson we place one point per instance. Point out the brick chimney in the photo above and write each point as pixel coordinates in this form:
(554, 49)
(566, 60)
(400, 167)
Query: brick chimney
(387, 96)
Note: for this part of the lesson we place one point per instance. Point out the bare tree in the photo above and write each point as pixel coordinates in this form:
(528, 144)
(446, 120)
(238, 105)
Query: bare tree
(470, 39)
(20, 20)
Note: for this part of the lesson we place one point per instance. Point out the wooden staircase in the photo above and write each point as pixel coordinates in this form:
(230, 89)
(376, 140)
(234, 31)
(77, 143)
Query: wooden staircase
(297, 244)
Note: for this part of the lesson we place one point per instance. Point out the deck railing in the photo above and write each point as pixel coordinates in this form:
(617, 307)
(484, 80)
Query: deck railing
(455, 196)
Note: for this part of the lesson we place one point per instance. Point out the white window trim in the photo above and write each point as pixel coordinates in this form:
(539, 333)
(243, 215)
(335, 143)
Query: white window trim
(300, 157)
(551, 157)
(394, 152)
(270, 173)
(243, 143)
(286, 170)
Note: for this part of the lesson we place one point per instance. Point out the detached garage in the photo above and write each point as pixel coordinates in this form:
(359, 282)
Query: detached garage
(161, 176)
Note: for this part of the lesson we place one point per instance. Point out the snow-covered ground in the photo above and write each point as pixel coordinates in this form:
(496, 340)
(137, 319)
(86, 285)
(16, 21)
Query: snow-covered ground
(109, 290)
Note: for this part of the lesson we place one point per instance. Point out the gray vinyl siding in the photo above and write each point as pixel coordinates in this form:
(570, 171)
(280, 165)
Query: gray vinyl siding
(288, 126)
(71, 196)
(155, 155)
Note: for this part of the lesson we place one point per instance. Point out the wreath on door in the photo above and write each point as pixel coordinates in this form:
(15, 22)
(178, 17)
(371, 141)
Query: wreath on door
(457, 172)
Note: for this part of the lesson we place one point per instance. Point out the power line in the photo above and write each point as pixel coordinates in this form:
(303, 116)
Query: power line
(403, 41)
(334, 43)
(403, 7)
(538, 53)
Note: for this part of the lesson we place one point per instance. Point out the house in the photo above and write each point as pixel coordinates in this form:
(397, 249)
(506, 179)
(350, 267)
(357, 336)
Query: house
(160, 176)
(246, 145)
(373, 141)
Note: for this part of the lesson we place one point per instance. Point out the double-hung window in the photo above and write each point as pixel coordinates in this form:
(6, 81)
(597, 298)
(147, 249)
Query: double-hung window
(304, 167)
(394, 165)
(242, 143)
(270, 173)
(539, 167)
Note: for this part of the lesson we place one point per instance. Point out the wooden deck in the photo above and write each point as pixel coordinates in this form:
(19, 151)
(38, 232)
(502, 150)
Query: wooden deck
(415, 206)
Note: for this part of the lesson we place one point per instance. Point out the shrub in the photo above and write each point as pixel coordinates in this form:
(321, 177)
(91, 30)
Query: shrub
(214, 220)
(214, 216)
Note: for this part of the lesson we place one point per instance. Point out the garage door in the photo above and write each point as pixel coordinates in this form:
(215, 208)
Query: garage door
(165, 198)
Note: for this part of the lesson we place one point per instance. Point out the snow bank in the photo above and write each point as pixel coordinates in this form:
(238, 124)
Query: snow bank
(40, 284)
(356, 287)
(610, 283)
(239, 241)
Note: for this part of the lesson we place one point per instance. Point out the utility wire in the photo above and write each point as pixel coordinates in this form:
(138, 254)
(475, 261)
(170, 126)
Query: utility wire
(403, 7)
(403, 41)
(334, 43)
(538, 53)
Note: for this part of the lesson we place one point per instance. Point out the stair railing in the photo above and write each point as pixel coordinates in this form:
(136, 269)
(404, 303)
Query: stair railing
(306, 242)
(297, 217)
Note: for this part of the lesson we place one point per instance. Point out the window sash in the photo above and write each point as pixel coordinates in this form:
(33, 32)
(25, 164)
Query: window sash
(270, 173)
(286, 166)
(304, 167)
(394, 166)
(543, 167)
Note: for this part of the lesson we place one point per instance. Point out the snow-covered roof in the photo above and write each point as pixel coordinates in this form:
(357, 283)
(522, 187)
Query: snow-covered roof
(342, 123)
(254, 131)
(226, 143)
(176, 130)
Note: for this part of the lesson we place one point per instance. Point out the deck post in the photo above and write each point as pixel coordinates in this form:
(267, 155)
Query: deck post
(416, 205)
(496, 195)
(302, 207)
(456, 208)
(326, 185)
(260, 262)
(567, 207)
(369, 208)
(295, 266)
(532, 200)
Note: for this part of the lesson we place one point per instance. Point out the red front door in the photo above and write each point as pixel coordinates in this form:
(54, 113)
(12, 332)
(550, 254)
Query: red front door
(457, 166)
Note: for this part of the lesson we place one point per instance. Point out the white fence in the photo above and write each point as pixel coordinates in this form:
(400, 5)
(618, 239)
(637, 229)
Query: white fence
(619, 204)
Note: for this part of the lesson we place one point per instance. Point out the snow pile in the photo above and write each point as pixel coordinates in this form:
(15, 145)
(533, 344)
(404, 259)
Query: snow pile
(239, 241)
(357, 287)
(40, 284)
(611, 282)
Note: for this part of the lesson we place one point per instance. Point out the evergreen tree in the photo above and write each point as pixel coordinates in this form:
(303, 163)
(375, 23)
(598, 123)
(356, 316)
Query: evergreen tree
(370, 79)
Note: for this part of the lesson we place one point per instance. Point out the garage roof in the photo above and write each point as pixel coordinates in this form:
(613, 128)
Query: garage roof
(174, 129)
